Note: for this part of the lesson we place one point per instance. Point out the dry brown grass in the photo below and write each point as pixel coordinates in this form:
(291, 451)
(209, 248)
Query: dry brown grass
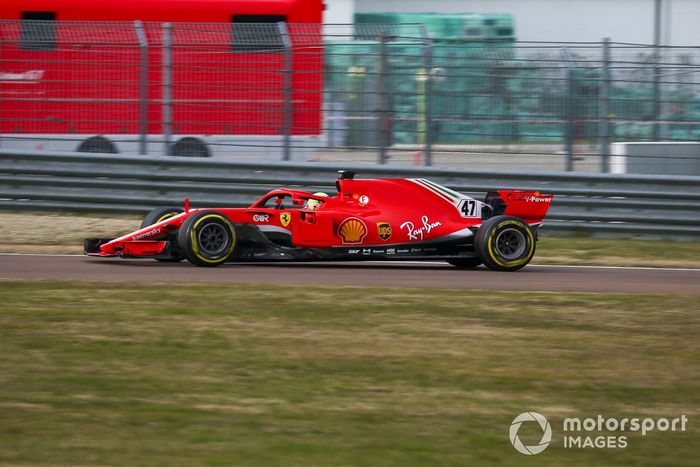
(152, 375)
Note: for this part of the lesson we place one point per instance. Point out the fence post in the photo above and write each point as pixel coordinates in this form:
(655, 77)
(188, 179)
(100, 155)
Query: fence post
(383, 100)
(1, 44)
(656, 111)
(428, 94)
(604, 109)
(287, 105)
(167, 87)
(143, 86)
(570, 121)
(569, 111)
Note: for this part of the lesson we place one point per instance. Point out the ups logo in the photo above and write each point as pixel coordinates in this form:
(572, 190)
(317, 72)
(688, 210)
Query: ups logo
(384, 230)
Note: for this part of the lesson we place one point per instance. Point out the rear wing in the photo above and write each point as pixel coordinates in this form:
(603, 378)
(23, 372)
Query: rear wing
(530, 206)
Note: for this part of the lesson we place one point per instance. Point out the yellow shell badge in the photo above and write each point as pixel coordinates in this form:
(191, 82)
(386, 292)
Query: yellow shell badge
(384, 230)
(352, 230)
(285, 218)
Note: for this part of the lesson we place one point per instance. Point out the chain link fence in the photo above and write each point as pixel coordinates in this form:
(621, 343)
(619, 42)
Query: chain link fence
(387, 94)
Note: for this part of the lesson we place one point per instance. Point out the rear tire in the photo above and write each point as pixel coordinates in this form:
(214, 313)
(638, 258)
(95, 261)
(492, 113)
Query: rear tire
(158, 215)
(207, 239)
(466, 263)
(505, 243)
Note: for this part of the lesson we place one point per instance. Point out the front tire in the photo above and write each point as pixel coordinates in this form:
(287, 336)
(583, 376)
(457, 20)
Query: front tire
(207, 238)
(505, 243)
(158, 215)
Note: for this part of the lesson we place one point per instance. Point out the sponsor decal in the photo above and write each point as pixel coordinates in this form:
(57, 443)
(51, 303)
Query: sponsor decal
(377, 252)
(285, 218)
(353, 251)
(530, 198)
(403, 250)
(364, 199)
(352, 230)
(416, 250)
(418, 233)
(384, 230)
(153, 232)
(366, 251)
(391, 251)
(261, 217)
(538, 199)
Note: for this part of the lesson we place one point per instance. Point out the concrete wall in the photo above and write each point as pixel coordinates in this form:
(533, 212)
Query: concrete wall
(655, 158)
(569, 20)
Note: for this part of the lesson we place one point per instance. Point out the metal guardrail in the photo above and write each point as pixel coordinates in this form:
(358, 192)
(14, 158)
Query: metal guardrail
(666, 206)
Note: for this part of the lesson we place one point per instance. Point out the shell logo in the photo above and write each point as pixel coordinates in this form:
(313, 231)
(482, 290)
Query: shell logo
(352, 230)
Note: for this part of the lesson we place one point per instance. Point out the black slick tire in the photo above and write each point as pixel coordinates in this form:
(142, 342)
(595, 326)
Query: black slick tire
(505, 243)
(207, 239)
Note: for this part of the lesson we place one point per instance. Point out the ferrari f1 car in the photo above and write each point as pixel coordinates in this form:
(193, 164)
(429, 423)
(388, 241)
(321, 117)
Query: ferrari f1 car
(373, 219)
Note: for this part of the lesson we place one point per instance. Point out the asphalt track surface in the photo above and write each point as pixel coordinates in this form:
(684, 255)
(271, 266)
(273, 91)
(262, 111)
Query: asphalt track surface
(412, 274)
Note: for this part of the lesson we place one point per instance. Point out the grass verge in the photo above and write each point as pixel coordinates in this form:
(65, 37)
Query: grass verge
(617, 252)
(191, 375)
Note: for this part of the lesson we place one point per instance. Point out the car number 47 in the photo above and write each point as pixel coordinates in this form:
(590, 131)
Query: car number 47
(470, 208)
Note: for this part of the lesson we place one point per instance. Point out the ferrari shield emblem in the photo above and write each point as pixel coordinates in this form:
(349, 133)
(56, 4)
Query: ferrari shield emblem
(285, 218)
(384, 230)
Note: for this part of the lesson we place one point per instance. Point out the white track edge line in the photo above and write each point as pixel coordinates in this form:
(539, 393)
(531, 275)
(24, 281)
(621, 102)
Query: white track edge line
(647, 268)
(440, 263)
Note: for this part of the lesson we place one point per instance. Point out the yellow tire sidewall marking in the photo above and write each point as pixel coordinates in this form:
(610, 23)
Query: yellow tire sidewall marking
(167, 215)
(195, 246)
(492, 255)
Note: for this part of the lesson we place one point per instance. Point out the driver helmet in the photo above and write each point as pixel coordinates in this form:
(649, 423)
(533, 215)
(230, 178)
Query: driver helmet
(314, 204)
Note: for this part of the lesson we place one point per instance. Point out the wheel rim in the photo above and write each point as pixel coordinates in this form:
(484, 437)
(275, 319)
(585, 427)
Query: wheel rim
(212, 239)
(511, 244)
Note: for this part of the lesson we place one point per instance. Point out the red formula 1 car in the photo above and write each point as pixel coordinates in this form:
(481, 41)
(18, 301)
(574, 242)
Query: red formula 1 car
(375, 219)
